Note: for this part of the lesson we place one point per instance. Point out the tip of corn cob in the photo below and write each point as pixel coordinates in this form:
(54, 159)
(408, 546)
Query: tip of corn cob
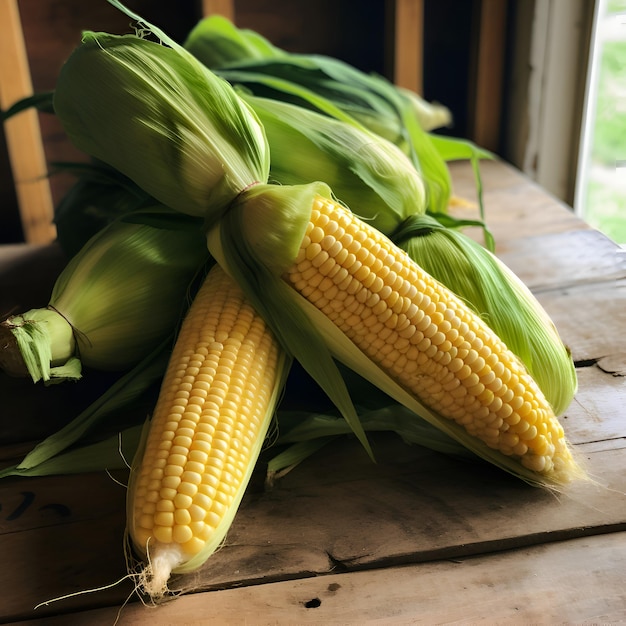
(154, 576)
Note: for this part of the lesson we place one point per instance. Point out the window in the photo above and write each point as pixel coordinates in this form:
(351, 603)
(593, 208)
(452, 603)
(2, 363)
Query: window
(601, 182)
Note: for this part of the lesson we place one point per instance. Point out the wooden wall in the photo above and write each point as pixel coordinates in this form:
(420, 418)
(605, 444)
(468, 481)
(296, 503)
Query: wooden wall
(52, 28)
(361, 34)
(10, 226)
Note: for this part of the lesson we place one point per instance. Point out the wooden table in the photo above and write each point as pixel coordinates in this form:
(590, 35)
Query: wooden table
(417, 538)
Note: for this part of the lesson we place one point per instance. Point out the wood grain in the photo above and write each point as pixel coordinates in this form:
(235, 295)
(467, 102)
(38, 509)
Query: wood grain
(384, 539)
(23, 133)
(408, 43)
(538, 585)
(551, 261)
(587, 317)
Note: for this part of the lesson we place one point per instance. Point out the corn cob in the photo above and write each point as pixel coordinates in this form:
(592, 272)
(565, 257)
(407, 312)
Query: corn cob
(416, 331)
(215, 164)
(307, 146)
(387, 189)
(424, 337)
(216, 403)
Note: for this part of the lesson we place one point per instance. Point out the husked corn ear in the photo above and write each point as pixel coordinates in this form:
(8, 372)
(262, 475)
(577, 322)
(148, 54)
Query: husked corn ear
(213, 411)
(425, 338)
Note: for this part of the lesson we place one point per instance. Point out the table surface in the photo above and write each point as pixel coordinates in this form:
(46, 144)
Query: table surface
(417, 538)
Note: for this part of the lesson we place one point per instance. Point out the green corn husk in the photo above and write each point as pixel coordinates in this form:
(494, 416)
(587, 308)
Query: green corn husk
(41, 101)
(304, 433)
(430, 115)
(108, 454)
(170, 113)
(322, 85)
(336, 89)
(254, 232)
(490, 288)
(314, 80)
(114, 301)
(219, 42)
(373, 179)
(339, 90)
(367, 173)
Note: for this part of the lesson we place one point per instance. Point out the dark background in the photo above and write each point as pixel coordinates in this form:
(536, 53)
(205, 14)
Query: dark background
(359, 33)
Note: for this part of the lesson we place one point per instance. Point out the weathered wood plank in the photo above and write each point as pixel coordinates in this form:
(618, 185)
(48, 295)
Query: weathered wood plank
(336, 512)
(596, 413)
(515, 206)
(590, 318)
(556, 260)
(60, 536)
(538, 585)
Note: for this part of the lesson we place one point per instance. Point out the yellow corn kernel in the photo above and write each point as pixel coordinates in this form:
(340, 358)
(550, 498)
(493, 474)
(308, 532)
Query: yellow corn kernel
(443, 338)
(229, 360)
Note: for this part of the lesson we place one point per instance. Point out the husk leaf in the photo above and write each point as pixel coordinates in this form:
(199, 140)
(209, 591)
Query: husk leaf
(106, 455)
(160, 117)
(367, 173)
(126, 399)
(217, 41)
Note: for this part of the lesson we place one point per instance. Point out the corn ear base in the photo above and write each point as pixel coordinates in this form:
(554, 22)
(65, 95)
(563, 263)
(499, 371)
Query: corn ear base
(101, 310)
(36, 344)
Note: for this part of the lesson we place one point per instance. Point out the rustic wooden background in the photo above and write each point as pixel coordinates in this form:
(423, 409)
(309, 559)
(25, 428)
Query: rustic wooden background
(452, 65)
(52, 28)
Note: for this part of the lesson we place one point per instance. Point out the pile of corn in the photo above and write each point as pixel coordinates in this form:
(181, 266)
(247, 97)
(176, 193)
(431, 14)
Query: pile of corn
(315, 225)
